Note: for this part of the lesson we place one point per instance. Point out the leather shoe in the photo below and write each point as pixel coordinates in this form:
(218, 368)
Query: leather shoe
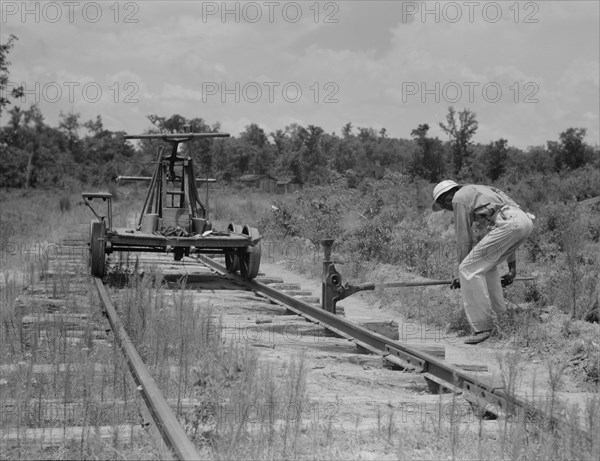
(478, 337)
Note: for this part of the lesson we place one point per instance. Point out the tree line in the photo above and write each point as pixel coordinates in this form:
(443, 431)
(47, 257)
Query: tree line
(35, 154)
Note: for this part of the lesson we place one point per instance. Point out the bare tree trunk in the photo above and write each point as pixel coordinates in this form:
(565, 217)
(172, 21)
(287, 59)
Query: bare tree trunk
(28, 170)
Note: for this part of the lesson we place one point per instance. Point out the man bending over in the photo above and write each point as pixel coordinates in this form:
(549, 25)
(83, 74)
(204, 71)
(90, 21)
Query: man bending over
(479, 279)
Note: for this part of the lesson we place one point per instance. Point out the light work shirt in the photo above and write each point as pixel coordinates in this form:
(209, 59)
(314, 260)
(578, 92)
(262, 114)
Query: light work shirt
(473, 202)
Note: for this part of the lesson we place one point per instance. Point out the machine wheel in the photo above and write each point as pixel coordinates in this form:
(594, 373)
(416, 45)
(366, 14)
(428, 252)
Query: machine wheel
(97, 248)
(232, 261)
(250, 255)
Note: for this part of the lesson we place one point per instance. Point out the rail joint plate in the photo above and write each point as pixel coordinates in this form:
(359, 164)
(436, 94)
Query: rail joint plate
(419, 364)
(485, 398)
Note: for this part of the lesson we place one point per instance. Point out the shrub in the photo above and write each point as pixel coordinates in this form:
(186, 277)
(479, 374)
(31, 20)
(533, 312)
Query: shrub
(278, 222)
(372, 240)
(314, 214)
(318, 218)
(561, 239)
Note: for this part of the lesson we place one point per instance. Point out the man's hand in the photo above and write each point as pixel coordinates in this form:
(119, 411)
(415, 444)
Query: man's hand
(455, 284)
(507, 279)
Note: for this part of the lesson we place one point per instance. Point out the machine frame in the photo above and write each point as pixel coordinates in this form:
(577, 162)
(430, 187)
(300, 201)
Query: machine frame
(173, 219)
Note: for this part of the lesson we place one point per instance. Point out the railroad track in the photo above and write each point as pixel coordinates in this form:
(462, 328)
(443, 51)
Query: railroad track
(486, 393)
(62, 385)
(60, 315)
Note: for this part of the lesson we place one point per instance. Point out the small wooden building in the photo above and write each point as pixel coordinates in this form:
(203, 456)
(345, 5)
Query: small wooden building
(264, 182)
(288, 186)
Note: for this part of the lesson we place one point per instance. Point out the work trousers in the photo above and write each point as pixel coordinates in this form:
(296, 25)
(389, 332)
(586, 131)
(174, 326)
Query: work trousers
(479, 277)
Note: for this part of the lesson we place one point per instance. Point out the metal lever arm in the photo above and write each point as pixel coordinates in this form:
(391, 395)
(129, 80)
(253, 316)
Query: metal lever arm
(348, 290)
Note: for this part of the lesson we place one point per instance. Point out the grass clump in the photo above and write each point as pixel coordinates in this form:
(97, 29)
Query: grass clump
(232, 405)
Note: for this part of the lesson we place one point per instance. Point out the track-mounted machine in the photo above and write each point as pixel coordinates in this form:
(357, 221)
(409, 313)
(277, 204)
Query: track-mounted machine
(173, 218)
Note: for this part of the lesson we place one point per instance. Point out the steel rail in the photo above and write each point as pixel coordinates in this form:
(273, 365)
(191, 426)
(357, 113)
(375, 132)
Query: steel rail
(475, 389)
(165, 420)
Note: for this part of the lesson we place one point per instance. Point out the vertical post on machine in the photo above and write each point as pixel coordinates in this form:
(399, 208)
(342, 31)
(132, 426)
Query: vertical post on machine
(331, 279)
(206, 211)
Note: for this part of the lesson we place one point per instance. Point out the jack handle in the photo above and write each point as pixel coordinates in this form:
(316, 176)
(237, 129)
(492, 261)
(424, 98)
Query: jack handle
(348, 290)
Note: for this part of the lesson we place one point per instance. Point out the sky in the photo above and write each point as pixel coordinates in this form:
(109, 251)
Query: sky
(528, 69)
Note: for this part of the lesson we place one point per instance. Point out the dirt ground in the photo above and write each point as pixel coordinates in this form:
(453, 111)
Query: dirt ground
(363, 387)
(357, 404)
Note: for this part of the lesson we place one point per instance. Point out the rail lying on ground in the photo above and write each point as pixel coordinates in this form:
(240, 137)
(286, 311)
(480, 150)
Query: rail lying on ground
(165, 420)
(62, 388)
(45, 314)
(439, 375)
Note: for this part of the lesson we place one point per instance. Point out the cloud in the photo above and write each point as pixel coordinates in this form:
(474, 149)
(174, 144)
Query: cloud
(364, 61)
(581, 72)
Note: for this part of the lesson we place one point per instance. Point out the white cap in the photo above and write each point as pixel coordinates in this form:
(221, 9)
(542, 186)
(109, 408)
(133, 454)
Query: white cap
(440, 189)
